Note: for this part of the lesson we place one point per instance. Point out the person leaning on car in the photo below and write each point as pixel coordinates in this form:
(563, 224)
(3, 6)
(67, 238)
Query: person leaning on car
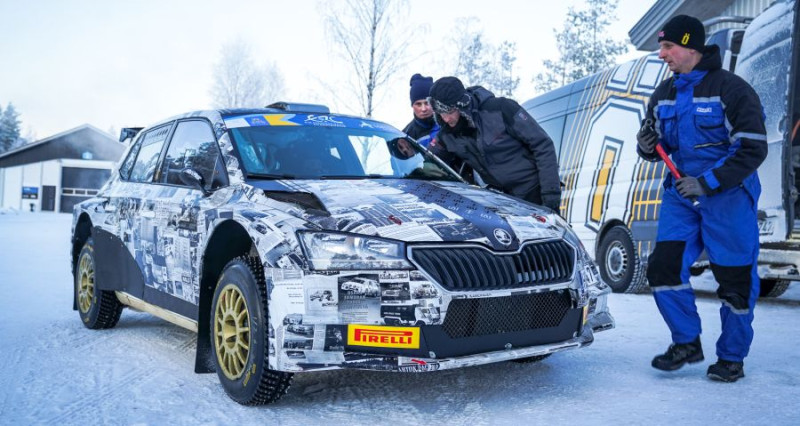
(498, 139)
(712, 123)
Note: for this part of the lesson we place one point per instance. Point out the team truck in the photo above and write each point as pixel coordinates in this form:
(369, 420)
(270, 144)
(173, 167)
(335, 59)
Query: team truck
(612, 197)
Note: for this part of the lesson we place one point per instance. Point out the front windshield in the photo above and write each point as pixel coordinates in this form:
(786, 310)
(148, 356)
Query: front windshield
(308, 146)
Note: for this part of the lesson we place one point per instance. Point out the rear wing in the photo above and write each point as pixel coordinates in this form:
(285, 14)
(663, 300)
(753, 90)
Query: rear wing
(129, 132)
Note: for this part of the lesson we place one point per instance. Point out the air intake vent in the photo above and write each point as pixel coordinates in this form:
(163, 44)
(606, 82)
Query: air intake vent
(461, 268)
(508, 314)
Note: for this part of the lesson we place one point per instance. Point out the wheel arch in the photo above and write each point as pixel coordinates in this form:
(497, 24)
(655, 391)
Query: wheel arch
(603, 231)
(83, 229)
(228, 240)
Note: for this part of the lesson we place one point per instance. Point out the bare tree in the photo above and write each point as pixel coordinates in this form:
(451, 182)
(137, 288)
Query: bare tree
(240, 82)
(365, 34)
(479, 62)
(583, 44)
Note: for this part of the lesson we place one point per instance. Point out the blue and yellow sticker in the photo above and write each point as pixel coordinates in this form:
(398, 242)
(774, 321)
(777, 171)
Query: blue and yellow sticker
(316, 120)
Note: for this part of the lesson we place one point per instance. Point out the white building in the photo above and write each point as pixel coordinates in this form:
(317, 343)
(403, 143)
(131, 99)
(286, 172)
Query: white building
(55, 173)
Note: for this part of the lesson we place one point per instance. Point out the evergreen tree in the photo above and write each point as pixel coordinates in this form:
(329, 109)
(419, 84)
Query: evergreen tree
(9, 128)
(583, 45)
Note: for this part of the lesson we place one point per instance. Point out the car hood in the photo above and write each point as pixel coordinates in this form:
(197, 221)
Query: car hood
(415, 211)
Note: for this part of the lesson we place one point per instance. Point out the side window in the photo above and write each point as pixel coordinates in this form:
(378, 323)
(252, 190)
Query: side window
(127, 165)
(145, 166)
(194, 145)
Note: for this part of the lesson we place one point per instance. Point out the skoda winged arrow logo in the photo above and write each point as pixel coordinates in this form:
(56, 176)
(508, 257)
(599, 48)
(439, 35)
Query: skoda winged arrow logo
(502, 236)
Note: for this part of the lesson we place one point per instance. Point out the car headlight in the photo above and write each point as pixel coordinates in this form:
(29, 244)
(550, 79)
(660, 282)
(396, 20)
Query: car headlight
(587, 268)
(338, 251)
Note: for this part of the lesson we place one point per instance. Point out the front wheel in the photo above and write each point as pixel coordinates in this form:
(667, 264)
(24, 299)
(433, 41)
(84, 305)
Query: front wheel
(240, 336)
(620, 266)
(98, 309)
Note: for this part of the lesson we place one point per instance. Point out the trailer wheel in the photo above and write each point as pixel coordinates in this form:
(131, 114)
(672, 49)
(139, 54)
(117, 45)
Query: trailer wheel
(620, 266)
(773, 288)
(240, 335)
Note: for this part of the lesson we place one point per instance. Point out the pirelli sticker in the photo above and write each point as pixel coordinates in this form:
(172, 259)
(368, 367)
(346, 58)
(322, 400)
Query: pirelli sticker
(383, 337)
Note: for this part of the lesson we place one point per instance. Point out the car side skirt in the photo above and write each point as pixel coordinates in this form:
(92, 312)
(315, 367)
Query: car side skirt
(166, 315)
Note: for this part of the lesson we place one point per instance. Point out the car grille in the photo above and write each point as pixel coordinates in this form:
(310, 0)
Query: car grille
(476, 268)
(507, 314)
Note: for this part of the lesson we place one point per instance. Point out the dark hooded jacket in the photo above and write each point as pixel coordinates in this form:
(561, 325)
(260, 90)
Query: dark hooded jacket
(505, 145)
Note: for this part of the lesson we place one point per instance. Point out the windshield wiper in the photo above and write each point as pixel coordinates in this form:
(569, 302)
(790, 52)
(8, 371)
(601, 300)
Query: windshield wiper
(369, 176)
(271, 176)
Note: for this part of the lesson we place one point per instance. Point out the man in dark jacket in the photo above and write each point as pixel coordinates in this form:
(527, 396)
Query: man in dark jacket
(498, 139)
(423, 127)
(712, 123)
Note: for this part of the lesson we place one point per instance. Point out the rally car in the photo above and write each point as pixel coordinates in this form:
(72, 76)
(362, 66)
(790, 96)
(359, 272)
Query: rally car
(243, 224)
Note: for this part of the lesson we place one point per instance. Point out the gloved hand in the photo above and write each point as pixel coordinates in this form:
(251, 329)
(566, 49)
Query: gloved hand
(552, 201)
(647, 138)
(689, 187)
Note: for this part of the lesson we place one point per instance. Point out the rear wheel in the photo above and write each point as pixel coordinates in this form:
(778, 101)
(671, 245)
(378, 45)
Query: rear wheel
(773, 288)
(240, 336)
(620, 266)
(97, 308)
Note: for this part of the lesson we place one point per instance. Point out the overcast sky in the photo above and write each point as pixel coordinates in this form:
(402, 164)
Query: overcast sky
(64, 63)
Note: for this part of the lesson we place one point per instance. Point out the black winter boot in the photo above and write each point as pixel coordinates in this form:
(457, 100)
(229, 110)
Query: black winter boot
(726, 371)
(679, 354)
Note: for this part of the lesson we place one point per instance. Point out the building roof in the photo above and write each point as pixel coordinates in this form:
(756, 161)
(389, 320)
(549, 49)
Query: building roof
(82, 142)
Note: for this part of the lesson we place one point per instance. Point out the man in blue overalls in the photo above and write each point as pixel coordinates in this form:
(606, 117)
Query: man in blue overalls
(712, 123)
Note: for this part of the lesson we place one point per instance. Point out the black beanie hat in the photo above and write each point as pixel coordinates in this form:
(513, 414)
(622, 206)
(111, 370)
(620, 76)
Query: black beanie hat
(420, 87)
(686, 31)
(448, 93)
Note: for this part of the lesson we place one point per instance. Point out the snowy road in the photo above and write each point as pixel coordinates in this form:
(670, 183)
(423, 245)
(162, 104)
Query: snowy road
(141, 372)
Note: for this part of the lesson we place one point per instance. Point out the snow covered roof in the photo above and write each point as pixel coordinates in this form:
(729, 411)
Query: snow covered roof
(82, 142)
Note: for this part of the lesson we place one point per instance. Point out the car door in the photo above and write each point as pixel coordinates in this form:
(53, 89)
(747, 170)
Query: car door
(176, 207)
(123, 256)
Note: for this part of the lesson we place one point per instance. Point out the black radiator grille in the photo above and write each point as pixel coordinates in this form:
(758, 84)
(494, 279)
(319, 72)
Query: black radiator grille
(498, 315)
(475, 268)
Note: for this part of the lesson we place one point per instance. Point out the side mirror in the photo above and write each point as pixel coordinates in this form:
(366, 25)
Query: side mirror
(194, 179)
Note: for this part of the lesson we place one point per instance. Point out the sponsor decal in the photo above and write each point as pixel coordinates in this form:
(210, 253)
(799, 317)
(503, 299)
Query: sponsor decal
(256, 121)
(502, 236)
(322, 120)
(685, 39)
(383, 337)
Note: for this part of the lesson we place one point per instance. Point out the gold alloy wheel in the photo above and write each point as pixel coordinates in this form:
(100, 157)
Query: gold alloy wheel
(232, 332)
(85, 283)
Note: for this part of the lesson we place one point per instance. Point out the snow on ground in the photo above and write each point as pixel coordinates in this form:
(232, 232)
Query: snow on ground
(55, 371)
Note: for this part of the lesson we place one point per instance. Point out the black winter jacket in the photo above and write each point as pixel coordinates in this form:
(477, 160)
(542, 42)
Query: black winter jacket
(419, 128)
(505, 145)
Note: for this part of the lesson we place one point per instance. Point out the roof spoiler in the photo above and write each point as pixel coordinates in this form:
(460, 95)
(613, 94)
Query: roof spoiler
(129, 132)
(295, 107)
